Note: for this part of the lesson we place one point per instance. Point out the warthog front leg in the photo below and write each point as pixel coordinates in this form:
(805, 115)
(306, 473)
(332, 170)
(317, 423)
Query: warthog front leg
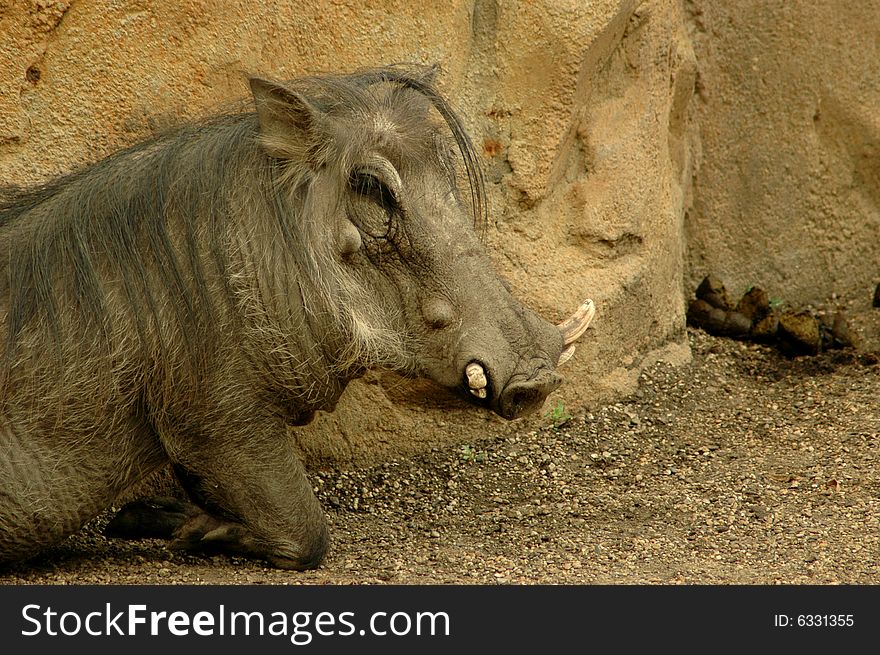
(250, 497)
(189, 528)
(151, 518)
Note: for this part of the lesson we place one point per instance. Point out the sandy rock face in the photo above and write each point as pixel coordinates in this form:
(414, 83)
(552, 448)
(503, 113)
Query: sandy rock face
(582, 112)
(788, 190)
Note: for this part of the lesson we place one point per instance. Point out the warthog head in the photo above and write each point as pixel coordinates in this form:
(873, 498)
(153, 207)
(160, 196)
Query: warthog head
(406, 272)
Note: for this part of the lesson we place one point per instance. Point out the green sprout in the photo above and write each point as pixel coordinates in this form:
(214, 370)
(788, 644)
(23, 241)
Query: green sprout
(470, 454)
(558, 414)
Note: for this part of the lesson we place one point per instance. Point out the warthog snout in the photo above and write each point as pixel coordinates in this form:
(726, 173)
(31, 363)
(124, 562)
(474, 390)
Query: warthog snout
(524, 397)
(525, 389)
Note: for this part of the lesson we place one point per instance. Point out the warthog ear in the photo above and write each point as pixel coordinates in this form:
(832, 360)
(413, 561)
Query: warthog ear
(287, 120)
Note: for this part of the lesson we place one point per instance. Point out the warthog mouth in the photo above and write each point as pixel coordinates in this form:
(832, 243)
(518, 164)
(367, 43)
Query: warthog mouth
(524, 393)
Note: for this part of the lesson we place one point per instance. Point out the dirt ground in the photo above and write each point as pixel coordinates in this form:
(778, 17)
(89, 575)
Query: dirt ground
(740, 467)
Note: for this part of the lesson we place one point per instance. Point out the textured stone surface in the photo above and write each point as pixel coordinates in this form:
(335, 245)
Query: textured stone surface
(788, 189)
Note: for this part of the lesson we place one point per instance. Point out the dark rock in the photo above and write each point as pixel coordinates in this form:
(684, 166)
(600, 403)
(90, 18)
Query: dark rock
(717, 321)
(798, 333)
(765, 329)
(754, 305)
(712, 290)
(736, 325)
(834, 331)
(840, 331)
(703, 315)
(698, 312)
(877, 296)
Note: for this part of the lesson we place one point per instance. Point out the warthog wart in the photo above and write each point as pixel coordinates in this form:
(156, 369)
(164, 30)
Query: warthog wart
(187, 299)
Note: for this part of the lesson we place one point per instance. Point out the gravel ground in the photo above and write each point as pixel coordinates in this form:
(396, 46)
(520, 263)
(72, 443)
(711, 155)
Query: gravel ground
(740, 467)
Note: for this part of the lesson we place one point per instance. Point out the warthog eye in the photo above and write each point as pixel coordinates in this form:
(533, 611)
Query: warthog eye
(369, 186)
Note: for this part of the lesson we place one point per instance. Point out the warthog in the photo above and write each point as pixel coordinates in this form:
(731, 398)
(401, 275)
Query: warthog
(187, 299)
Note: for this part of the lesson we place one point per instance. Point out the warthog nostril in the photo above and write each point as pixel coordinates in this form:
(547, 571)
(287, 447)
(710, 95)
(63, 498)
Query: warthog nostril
(522, 398)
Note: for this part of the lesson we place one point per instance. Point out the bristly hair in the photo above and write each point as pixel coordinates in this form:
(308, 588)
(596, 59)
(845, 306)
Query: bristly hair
(418, 78)
(152, 214)
(403, 74)
(114, 218)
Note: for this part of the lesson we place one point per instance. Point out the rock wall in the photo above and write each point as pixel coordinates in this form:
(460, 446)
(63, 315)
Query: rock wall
(786, 112)
(581, 109)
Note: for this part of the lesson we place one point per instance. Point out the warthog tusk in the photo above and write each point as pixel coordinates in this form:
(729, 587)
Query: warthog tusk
(574, 326)
(476, 375)
(566, 355)
(476, 379)
(572, 329)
